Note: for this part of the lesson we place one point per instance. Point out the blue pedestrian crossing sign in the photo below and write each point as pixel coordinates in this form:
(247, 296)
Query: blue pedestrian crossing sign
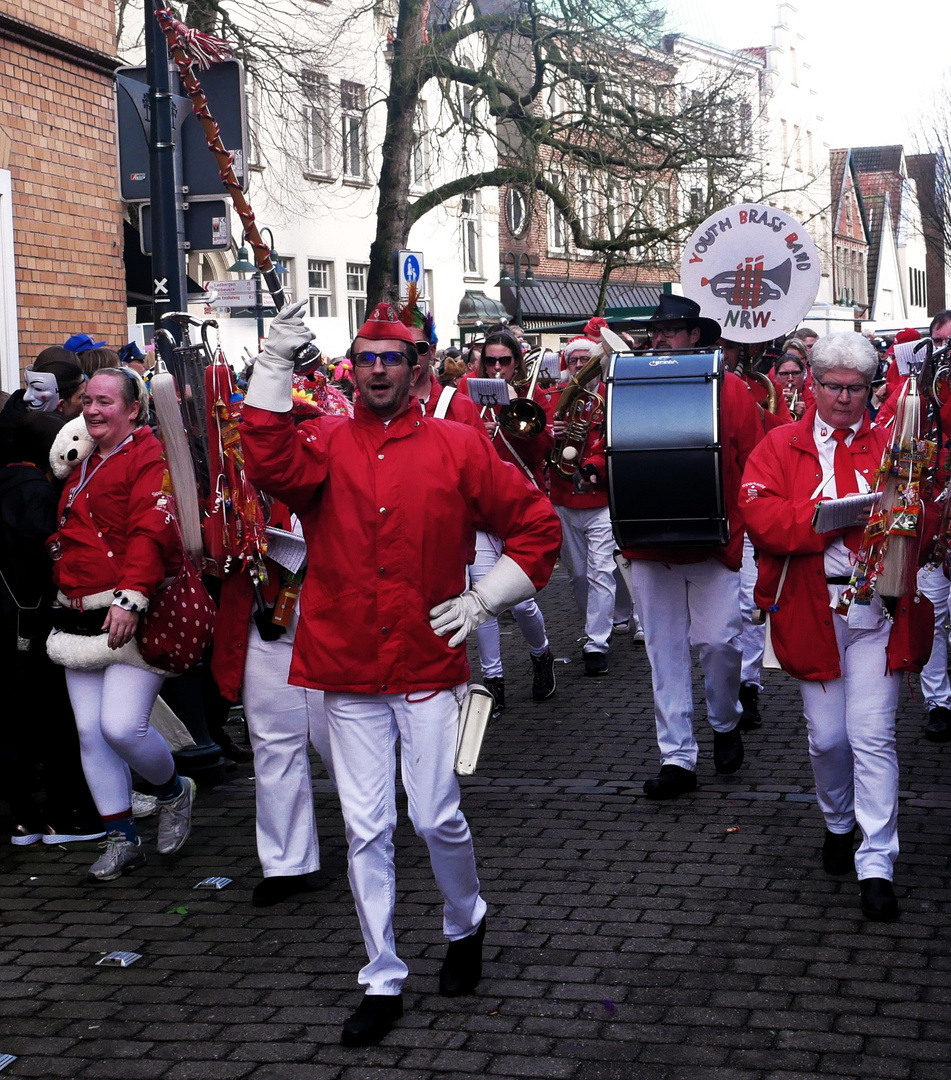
(410, 270)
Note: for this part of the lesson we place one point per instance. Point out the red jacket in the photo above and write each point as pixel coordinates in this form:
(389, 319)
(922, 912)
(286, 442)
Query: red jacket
(388, 513)
(777, 503)
(563, 491)
(462, 408)
(741, 429)
(119, 532)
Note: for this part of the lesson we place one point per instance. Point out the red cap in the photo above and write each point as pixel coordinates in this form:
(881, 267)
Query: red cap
(901, 337)
(383, 323)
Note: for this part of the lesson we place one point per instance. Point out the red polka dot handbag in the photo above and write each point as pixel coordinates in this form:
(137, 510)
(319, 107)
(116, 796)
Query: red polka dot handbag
(175, 631)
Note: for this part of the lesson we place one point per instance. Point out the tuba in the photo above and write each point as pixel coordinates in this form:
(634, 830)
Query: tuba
(524, 417)
(576, 406)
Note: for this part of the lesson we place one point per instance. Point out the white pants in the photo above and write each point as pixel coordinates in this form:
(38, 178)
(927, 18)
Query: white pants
(623, 604)
(112, 707)
(753, 637)
(282, 721)
(852, 747)
(587, 550)
(935, 686)
(696, 605)
(363, 732)
(527, 614)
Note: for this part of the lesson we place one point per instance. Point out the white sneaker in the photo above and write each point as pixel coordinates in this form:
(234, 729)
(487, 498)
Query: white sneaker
(621, 627)
(638, 636)
(175, 818)
(143, 805)
(119, 857)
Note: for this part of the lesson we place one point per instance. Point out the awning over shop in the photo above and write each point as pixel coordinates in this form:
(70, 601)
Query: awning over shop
(552, 305)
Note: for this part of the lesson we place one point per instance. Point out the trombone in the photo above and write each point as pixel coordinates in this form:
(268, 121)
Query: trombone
(524, 417)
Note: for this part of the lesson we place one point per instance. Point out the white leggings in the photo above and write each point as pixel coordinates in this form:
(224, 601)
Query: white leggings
(112, 707)
(527, 614)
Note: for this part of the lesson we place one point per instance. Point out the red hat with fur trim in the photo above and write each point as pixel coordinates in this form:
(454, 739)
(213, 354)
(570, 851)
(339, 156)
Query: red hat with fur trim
(383, 323)
(584, 345)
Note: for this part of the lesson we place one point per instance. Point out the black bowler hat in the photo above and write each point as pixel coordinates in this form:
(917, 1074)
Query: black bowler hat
(681, 309)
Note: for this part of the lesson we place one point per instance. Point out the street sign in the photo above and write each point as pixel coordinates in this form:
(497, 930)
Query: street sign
(223, 85)
(207, 226)
(231, 293)
(410, 269)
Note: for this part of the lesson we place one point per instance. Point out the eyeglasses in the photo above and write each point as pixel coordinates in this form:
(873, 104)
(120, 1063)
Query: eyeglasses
(835, 388)
(387, 359)
(788, 374)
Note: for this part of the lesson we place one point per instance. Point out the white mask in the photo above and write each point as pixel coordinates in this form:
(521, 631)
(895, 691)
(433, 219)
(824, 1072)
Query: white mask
(41, 393)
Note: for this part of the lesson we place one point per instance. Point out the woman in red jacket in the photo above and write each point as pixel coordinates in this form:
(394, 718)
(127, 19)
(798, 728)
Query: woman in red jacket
(116, 544)
(501, 357)
(845, 663)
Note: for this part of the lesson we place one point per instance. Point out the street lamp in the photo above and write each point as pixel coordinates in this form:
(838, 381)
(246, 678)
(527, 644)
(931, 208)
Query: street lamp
(244, 266)
(517, 278)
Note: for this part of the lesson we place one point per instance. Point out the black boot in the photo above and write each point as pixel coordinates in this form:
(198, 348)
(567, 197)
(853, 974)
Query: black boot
(543, 676)
(727, 750)
(496, 687)
(372, 1020)
(938, 728)
(750, 718)
(838, 852)
(462, 968)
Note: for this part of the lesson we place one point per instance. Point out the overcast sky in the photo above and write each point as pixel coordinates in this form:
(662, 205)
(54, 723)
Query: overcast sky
(882, 60)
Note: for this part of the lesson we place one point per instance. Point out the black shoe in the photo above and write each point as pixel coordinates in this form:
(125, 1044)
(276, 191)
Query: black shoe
(750, 718)
(727, 750)
(462, 969)
(595, 663)
(496, 687)
(878, 899)
(372, 1020)
(838, 856)
(938, 728)
(233, 751)
(543, 676)
(275, 890)
(671, 782)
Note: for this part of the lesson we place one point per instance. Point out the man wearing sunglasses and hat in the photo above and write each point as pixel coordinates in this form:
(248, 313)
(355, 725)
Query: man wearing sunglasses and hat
(388, 501)
(689, 597)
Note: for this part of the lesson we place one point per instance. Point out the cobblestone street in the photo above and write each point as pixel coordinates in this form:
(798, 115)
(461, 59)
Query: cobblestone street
(692, 940)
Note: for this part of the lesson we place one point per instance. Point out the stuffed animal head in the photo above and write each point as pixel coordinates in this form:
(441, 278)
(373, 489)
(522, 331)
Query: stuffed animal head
(72, 445)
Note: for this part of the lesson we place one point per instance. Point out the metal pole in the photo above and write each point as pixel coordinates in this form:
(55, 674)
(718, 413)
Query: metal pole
(259, 307)
(168, 224)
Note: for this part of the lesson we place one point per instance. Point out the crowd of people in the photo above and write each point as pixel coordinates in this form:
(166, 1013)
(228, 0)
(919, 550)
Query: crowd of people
(427, 511)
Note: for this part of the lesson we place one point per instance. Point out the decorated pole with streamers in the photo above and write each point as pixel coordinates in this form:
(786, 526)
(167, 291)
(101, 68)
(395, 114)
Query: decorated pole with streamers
(191, 49)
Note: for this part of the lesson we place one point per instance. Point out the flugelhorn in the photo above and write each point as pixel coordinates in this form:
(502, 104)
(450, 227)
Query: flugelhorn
(576, 406)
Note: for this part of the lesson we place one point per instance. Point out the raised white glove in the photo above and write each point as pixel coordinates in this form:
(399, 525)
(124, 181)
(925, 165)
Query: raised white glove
(273, 371)
(504, 585)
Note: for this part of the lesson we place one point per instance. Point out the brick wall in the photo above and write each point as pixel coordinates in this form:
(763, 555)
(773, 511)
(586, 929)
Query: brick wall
(60, 116)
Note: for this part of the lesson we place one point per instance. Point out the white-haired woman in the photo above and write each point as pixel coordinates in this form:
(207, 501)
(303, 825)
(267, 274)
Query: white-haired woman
(116, 543)
(846, 664)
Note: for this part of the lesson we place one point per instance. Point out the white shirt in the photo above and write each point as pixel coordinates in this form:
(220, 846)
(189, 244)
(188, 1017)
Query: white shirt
(838, 559)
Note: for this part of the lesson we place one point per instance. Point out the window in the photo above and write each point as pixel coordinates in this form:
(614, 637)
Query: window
(287, 278)
(614, 209)
(353, 107)
(419, 159)
(793, 67)
(316, 123)
(320, 288)
(356, 296)
(516, 211)
(797, 146)
(557, 230)
(586, 206)
(696, 202)
(471, 213)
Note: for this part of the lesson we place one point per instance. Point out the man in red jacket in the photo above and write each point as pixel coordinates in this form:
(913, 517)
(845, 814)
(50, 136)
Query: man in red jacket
(846, 663)
(690, 596)
(388, 501)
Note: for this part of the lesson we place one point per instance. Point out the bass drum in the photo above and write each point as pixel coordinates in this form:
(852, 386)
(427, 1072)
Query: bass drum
(665, 476)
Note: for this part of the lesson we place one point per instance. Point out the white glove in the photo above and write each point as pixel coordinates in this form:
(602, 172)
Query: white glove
(273, 371)
(504, 585)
